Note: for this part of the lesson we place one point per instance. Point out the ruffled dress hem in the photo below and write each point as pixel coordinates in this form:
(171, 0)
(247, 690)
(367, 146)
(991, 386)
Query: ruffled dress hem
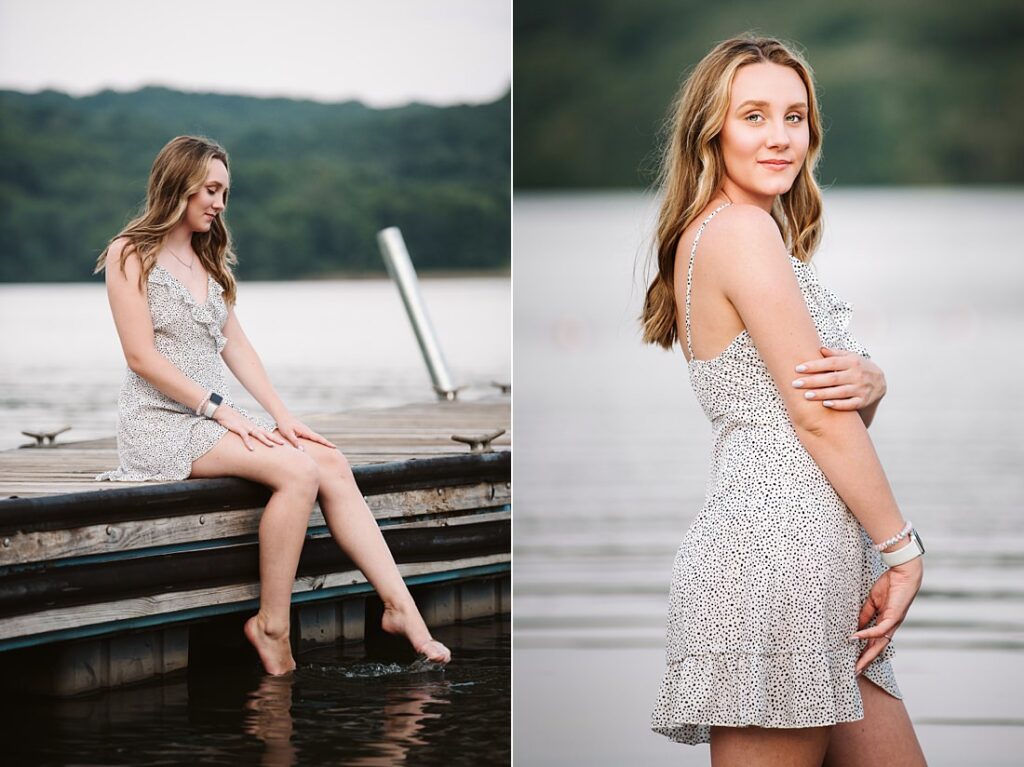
(781, 690)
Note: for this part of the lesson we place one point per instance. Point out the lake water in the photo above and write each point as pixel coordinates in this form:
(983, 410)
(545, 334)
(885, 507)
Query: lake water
(337, 708)
(612, 452)
(327, 346)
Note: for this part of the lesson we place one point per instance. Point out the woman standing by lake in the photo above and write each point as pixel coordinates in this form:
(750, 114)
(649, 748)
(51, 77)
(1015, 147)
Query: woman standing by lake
(172, 294)
(793, 579)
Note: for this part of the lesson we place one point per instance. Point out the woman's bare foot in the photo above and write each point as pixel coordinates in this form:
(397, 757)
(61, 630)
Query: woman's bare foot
(275, 650)
(407, 621)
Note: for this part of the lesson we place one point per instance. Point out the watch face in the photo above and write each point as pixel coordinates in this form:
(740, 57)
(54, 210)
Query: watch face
(917, 538)
(216, 399)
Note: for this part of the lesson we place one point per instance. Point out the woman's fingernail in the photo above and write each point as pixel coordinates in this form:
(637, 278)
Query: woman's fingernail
(801, 368)
(808, 395)
(798, 383)
(853, 638)
(827, 403)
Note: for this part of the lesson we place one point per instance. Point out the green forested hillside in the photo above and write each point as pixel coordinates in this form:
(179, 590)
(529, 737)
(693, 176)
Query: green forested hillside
(311, 183)
(912, 92)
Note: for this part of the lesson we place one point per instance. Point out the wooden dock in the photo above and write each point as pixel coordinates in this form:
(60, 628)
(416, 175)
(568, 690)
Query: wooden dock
(107, 583)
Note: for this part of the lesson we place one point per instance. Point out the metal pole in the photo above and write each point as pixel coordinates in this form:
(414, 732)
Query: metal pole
(396, 258)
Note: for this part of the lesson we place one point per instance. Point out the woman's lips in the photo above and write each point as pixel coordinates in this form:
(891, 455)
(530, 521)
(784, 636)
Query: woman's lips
(774, 165)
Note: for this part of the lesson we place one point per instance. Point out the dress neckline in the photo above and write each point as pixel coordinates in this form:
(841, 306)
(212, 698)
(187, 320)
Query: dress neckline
(209, 291)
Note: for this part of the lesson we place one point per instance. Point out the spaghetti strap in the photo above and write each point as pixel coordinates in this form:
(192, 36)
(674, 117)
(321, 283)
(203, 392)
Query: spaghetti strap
(689, 274)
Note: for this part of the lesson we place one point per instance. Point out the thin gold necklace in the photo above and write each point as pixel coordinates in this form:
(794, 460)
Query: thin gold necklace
(188, 266)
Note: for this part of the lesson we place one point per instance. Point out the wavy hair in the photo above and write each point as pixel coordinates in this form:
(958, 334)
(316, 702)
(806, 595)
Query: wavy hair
(179, 171)
(692, 169)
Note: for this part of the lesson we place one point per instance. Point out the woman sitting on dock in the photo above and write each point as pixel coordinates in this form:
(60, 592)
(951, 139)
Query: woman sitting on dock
(172, 294)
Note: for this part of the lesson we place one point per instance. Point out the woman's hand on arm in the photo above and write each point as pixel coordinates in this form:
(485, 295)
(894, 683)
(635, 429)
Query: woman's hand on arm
(243, 361)
(842, 380)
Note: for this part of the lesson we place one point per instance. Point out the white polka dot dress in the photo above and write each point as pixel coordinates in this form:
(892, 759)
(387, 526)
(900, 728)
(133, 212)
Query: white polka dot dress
(158, 438)
(772, 573)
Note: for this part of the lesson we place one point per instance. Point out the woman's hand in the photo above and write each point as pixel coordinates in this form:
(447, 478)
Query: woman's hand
(841, 380)
(234, 421)
(292, 428)
(889, 600)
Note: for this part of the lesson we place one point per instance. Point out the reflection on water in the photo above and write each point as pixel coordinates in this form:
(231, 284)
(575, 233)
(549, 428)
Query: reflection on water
(270, 719)
(334, 708)
(404, 710)
(613, 453)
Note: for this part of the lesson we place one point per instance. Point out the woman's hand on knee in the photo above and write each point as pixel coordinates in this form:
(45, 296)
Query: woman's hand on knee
(249, 432)
(292, 428)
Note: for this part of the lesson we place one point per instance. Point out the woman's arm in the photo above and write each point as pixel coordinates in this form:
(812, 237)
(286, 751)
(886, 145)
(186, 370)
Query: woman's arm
(867, 414)
(240, 356)
(130, 308)
(843, 379)
(758, 279)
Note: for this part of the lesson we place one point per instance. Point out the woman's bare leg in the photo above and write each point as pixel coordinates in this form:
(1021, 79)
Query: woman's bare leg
(884, 736)
(354, 528)
(294, 477)
(769, 746)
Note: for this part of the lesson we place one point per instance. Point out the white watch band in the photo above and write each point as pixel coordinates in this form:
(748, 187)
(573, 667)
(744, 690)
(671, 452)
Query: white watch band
(914, 548)
(213, 402)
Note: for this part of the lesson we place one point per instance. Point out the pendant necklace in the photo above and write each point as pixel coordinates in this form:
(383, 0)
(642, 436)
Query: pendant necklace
(188, 266)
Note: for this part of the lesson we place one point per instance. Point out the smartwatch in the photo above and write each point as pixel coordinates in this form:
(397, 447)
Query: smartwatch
(914, 548)
(216, 400)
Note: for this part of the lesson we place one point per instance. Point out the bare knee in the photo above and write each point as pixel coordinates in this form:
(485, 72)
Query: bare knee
(336, 464)
(298, 473)
(335, 471)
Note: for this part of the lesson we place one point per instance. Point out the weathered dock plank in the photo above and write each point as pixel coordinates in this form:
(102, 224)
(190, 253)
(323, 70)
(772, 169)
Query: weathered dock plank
(365, 436)
(119, 571)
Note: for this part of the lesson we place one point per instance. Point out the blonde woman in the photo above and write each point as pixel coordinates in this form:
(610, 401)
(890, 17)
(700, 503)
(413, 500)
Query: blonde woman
(796, 574)
(172, 295)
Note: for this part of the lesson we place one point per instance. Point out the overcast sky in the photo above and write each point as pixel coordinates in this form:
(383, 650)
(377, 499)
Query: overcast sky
(383, 52)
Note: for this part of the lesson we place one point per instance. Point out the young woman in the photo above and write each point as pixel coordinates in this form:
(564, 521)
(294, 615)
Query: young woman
(172, 295)
(794, 577)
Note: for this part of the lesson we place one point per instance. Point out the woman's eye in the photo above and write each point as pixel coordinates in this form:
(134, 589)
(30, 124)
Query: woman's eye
(798, 117)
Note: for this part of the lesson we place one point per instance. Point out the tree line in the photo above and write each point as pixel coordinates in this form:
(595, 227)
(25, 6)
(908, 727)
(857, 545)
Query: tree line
(312, 183)
(912, 92)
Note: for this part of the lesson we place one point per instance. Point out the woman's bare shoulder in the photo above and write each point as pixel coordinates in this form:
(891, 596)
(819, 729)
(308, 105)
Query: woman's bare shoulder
(744, 233)
(122, 248)
(743, 219)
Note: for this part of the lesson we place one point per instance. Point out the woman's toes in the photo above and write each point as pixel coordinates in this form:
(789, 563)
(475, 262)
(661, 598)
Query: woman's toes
(435, 651)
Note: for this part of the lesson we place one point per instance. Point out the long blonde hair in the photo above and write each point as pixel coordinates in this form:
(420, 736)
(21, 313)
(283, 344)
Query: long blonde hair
(692, 169)
(178, 172)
